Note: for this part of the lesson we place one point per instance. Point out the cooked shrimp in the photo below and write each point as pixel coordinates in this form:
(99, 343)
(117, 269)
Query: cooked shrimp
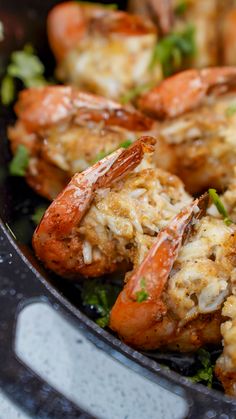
(101, 50)
(204, 146)
(177, 15)
(186, 91)
(160, 11)
(66, 130)
(202, 140)
(202, 15)
(173, 299)
(101, 223)
(225, 368)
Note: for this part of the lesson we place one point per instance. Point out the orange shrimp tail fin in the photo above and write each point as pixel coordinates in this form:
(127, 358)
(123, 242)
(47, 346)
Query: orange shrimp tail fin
(185, 91)
(66, 212)
(139, 305)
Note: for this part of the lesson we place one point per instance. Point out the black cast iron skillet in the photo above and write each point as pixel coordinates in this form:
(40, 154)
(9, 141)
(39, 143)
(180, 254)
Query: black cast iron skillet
(22, 280)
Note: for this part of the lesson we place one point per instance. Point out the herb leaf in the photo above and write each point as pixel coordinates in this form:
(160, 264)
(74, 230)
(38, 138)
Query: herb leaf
(125, 144)
(230, 111)
(20, 161)
(26, 67)
(181, 8)
(38, 214)
(7, 90)
(102, 154)
(101, 296)
(112, 6)
(205, 373)
(136, 91)
(173, 49)
(220, 206)
(142, 295)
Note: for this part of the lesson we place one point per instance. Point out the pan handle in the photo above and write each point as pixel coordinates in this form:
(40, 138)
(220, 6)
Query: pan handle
(20, 286)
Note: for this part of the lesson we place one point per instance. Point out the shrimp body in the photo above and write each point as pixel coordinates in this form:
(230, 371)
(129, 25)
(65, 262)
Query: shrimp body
(66, 130)
(122, 216)
(173, 299)
(202, 140)
(203, 144)
(186, 91)
(100, 50)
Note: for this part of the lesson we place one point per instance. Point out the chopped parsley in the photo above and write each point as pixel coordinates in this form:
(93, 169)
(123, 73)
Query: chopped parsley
(219, 205)
(181, 8)
(102, 154)
(230, 111)
(7, 90)
(172, 50)
(125, 144)
(24, 66)
(100, 296)
(136, 91)
(38, 214)
(112, 6)
(142, 295)
(20, 161)
(205, 372)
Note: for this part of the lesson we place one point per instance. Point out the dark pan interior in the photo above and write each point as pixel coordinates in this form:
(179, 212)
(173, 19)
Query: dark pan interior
(17, 201)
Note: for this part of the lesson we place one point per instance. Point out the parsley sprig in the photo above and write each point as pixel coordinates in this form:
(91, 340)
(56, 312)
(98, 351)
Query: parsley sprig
(38, 214)
(25, 66)
(100, 295)
(142, 295)
(111, 6)
(102, 154)
(131, 94)
(172, 50)
(220, 206)
(205, 372)
(181, 8)
(20, 161)
(230, 111)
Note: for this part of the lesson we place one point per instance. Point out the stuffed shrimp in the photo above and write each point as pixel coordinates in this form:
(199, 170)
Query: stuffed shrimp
(100, 50)
(65, 131)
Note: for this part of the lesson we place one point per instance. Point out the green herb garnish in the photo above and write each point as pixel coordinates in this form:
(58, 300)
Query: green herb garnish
(142, 295)
(205, 373)
(230, 111)
(7, 90)
(26, 67)
(125, 144)
(172, 50)
(20, 161)
(102, 154)
(219, 205)
(112, 6)
(136, 91)
(181, 8)
(101, 296)
(38, 214)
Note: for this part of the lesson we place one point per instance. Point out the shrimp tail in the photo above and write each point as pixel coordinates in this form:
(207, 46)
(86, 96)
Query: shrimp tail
(185, 91)
(64, 215)
(140, 303)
